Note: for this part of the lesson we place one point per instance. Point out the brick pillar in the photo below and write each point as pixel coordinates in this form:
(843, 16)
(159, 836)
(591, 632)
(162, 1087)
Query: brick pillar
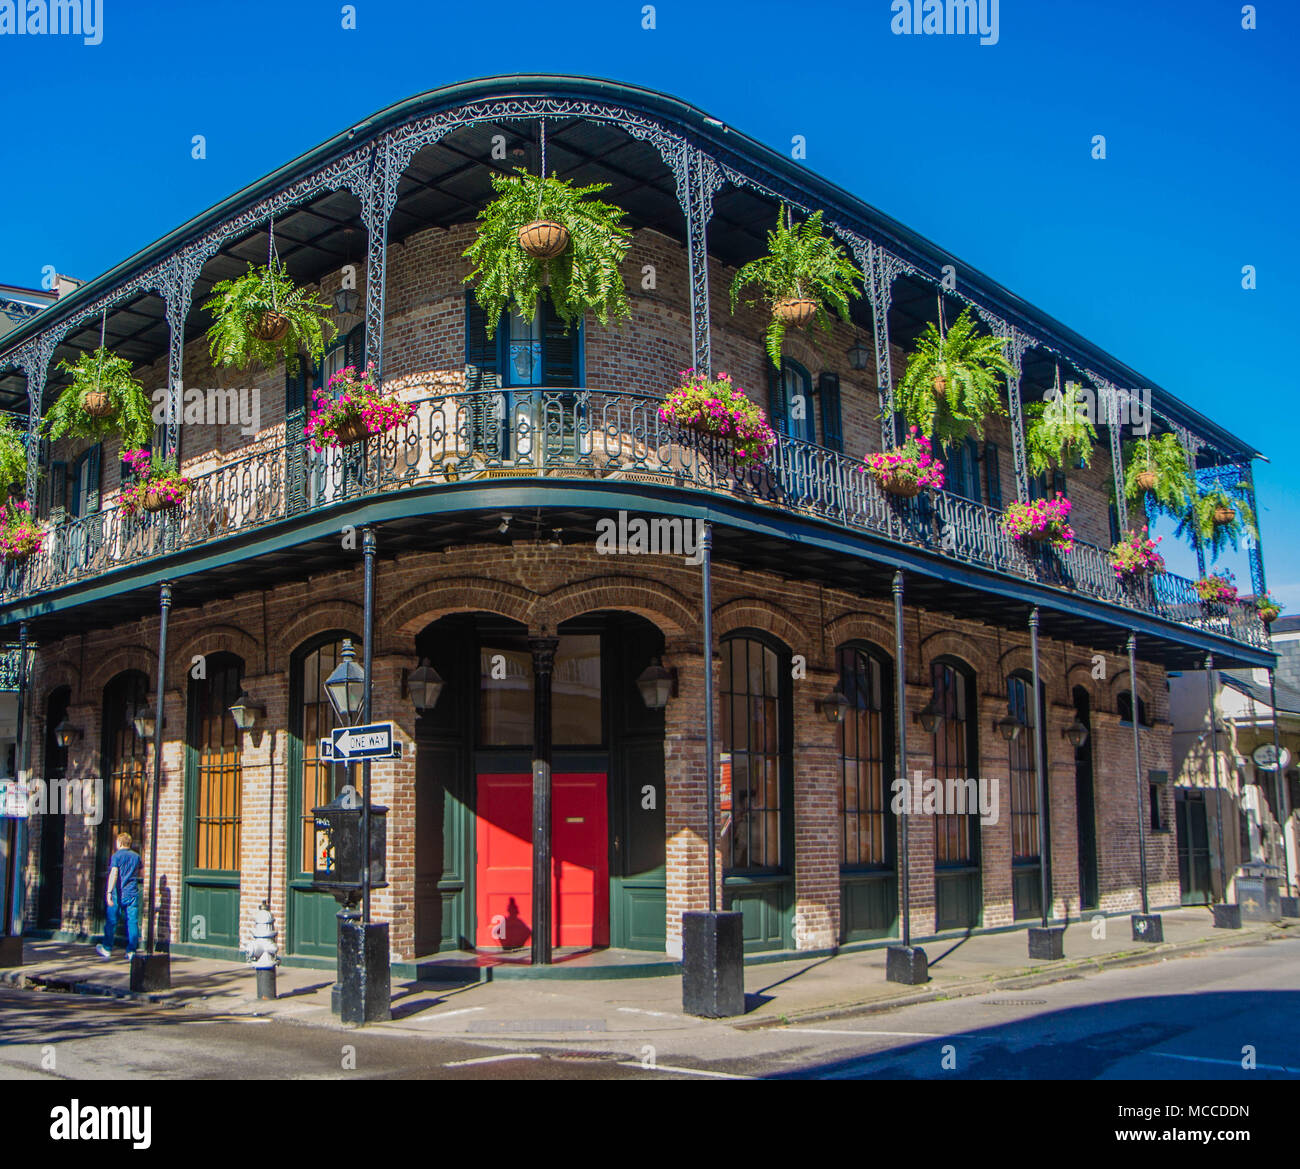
(82, 898)
(816, 816)
(920, 829)
(995, 839)
(685, 791)
(1064, 824)
(169, 893)
(263, 830)
(392, 785)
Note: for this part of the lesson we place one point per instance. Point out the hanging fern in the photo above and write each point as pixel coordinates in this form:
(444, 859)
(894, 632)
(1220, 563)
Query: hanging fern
(1059, 431)
(13, 452)
(1166, 459)
(237, 306)
(1218, 536)
(969, 364)
(584, 278)
(801, 262)
(131, 418)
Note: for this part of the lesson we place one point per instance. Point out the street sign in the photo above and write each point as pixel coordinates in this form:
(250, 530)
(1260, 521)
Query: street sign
(374, 741)
(1265, 757)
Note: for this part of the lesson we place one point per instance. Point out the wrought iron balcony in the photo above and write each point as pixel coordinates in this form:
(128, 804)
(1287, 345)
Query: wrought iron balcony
(589, 434)
(9, 663)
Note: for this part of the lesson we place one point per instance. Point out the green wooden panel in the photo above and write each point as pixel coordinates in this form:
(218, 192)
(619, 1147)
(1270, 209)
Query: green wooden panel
(768, 912)
(957, 899)
(211, 913)
(868, 906)
(313, 923)
(1026, 891)
(440, 849)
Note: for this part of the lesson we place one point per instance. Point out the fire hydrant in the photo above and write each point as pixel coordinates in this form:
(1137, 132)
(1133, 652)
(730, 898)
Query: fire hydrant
(262, 951)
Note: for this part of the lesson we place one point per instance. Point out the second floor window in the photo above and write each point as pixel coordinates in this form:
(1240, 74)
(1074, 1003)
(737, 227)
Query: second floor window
(540, 352)
(790, 401)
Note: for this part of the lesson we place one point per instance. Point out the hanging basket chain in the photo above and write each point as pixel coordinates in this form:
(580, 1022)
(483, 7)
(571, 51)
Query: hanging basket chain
(270, 263)
(103, 330)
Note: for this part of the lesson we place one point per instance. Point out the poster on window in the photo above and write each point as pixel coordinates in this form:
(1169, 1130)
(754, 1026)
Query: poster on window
(13, 799)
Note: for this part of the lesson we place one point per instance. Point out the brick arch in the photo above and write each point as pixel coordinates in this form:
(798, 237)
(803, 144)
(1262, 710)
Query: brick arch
(131, 657)
(419, 607)
(1018, 657)
(315, 620)
(53, 676)
(1120, 681)
(658, 603)
(947, 643)
(1080, 674)
(212, 640)
(859, 626)
(752, 613)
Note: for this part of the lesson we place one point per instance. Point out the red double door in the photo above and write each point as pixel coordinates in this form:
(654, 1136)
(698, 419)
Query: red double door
(579, 861)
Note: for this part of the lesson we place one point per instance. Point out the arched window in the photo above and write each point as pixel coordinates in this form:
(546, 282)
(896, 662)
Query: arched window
(955, 744)
(865, 741)
(790, 403)
(318, 781)
(124, 757)
(1124, 703)
(755, 734)
(1024, 777)
(216, 773)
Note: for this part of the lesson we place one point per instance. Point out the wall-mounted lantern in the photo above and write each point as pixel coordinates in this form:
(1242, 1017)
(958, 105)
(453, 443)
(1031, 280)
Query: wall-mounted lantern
(246, 712)
(835, 705)
(657, 684)
(422, 686)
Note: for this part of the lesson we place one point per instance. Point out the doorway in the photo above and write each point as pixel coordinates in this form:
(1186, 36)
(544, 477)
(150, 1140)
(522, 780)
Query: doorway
(1085, 804)
(1192, 824)
(49, 900)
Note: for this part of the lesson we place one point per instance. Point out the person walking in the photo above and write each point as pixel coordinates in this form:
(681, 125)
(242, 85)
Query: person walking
(123, 898)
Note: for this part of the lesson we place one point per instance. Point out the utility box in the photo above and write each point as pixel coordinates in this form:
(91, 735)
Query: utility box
(337, 867)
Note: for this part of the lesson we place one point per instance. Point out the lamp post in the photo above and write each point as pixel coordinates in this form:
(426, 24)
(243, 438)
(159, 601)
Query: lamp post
(1227, 914)
(1289, 902)
(11, 945)
(907, 964)
(1045, 942)
(1147, 926)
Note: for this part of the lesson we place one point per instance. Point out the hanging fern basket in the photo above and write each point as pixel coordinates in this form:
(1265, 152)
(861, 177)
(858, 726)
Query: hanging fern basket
(544, 239)
(97, 403)
(795, 310)
(1146, 480)
(269, 326)
(940, 384)
(1223, 515)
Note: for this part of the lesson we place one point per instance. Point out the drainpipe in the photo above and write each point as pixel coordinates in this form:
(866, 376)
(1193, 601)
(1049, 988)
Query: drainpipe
(1283, 811)
(900, 721)
(153, 971)
(706, 582)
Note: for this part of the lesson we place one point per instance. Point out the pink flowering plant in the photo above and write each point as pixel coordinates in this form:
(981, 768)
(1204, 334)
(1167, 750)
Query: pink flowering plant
(350, 407)
(156, 483)
(906, 469)
(719, 407)
(1136, 556)
(19, 535)
(1041, 520)
(1218, 586)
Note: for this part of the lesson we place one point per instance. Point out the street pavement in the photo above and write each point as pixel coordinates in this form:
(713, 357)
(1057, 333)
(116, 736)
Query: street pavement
(1192, 1017)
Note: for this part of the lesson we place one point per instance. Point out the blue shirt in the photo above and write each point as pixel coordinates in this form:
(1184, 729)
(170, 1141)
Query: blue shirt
(127, 864)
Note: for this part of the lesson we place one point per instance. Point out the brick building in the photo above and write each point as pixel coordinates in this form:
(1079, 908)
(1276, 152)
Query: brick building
(486, 525)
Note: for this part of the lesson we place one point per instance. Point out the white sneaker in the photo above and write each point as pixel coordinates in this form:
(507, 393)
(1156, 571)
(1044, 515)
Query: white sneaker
(130, 955)
(102, 952)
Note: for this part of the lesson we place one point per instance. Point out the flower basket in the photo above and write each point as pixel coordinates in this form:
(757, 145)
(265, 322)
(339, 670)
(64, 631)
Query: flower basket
(19, 536)
(350, 409)
(1217, 590)
(544, 238)
(97, 403)
(158, 486)
(795, 310)
(1041, 521)
(905, 470)
(269, 326)
(1268, 614)
(160, 494)
(719, 408)
(1135, 558)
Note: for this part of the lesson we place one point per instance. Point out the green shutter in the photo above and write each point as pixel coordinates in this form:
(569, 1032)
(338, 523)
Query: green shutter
(828, 390)
(775, 399)
(295, 448)
(56, 492)
(972, 451)
(1058, 482)
(559, 349)
(481, 377)
(354, 348)
(992, 476)
(92, 478)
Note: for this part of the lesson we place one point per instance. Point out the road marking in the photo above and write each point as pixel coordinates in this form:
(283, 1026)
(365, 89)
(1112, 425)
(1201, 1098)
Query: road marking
(667, 1067)
(464, 1063)
(449, 1014)
(656, 1014)
(1236, 1063)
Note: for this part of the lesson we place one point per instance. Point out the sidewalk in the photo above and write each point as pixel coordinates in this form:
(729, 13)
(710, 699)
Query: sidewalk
(553, 1010)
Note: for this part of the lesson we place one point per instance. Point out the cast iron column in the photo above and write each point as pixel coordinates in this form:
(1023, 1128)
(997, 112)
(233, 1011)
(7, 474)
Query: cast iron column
(165, 606)
(1040, 775)
(710, 780)
(1214, 764)
(543, 663)
(1283, 812)
(901, 722)
(367, 658)
(1137, 769)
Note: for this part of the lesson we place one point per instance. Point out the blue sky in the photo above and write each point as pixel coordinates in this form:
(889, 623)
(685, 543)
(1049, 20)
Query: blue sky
(986, 149)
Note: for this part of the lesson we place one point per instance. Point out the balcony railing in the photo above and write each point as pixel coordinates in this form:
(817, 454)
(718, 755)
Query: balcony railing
(589, 434)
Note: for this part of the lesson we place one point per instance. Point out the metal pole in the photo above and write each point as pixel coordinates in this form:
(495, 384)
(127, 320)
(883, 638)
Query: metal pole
(165, 605)
(15, 829)
(543, 664)
(900, 721)
(367, 657)
(1137, 769)
(1214, 764)
(706, 566)
(1037, 715)
(1283, 812)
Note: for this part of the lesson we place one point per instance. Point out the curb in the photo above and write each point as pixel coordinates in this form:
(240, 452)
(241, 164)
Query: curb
(1021, 981)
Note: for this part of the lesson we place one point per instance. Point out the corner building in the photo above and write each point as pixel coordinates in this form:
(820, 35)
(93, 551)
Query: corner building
(485, 525)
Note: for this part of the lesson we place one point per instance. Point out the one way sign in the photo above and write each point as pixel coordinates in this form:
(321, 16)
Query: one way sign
(374, 741)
